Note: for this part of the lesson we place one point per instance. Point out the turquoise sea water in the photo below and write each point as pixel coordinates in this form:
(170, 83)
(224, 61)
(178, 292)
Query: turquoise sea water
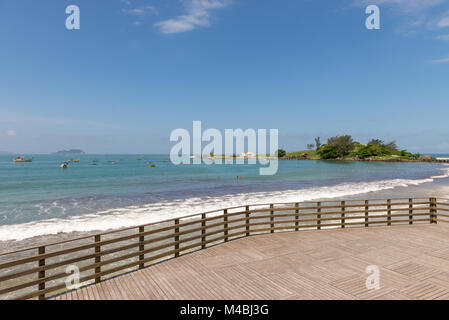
(39, 198)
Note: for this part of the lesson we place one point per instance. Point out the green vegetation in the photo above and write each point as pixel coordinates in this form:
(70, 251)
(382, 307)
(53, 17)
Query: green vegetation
(372, 150)
(328, 152)
(318, 143)
(342, 145)
(281, 153)
(308, 154)
(345, 148)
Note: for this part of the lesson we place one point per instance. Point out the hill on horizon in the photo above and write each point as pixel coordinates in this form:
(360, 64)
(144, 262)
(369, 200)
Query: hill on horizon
(71, 151)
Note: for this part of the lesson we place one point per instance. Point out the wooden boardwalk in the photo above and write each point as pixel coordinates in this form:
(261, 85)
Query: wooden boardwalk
(329, 264)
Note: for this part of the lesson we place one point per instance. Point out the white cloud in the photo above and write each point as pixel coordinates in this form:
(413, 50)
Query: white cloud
(197, 14)
(9, 133)
(443, 60)
(442, 37)
(444, 22)
(141, 11)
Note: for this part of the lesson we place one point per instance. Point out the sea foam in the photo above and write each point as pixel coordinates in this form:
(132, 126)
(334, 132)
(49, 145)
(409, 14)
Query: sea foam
(137, 215)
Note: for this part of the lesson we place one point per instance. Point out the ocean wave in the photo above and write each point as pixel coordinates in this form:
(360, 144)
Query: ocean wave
(137, 215)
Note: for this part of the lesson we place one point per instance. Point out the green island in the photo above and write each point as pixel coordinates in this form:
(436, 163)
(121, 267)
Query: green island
(344, 147)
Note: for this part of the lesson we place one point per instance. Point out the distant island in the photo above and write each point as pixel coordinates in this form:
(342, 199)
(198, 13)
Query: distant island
(345, 148)
(70, 152)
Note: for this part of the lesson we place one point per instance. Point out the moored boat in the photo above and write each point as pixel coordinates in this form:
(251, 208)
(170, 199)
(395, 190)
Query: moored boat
(22, 159)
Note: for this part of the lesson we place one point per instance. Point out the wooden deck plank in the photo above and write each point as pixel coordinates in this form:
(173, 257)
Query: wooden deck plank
(329, 264)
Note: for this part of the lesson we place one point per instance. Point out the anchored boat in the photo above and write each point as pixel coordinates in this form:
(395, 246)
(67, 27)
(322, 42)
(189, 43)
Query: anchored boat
(22, 159)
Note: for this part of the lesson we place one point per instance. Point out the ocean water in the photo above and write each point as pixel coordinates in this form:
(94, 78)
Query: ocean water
(39, 198)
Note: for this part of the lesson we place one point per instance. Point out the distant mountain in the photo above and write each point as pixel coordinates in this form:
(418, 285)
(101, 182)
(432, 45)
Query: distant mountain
(70, 152)
(5, 153)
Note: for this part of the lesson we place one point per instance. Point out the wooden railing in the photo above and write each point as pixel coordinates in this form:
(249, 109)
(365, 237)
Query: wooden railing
(42, 271)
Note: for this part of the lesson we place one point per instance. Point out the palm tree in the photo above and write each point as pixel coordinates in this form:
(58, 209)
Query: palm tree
(317, 143)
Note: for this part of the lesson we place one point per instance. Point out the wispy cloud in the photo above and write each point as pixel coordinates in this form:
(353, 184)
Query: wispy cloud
(414, 14)
(141, 11)
(444, 22)
(197, 14)
(443, 60)
(9, 133)
(34, 120)
(443, 37)
(406, 7)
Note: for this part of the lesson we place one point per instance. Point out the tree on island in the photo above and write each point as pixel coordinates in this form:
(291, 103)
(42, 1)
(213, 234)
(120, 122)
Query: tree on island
(328, 152)
(281, 153)
(378, 148)
(390, 145)
(318, 143)
(343, 144)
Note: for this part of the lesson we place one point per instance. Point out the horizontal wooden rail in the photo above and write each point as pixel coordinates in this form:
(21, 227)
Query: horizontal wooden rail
(41, 271)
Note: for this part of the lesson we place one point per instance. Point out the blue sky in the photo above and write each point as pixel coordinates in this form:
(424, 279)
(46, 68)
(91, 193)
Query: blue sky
(138, 69)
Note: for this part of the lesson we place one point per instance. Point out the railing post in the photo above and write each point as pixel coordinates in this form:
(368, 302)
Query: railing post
(225, 218)
(433, 210)
(366, 213)
(41, 274)
(247, 220)
(410, 211)
(318, 216)
(141, 247)
(203, 231)
(97, 259)
(176, 238)
(296, 216)
(389, 212)
(272, 218)
(343, 206)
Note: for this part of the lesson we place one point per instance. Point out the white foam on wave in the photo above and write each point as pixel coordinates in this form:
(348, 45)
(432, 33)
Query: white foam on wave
(137, 215)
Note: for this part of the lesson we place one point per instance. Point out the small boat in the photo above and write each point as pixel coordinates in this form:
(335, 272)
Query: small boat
(152, 166)
(76, 160)
(22, 159)
(64, 165)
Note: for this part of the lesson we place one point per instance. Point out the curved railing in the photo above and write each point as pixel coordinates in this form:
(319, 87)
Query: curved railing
(42, 271)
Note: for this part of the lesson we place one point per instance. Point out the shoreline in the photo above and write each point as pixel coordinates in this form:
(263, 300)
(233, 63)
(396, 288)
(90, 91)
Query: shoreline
(88, 224)
(306, 158)
(287, 158)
